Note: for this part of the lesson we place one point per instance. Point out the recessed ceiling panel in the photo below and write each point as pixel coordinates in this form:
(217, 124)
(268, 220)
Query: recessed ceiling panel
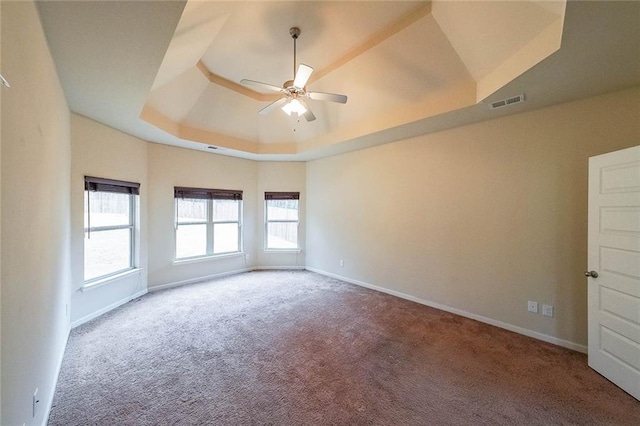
(225, 112)
(397, 62)
(255, 42)
(183, 90)
(485, 34)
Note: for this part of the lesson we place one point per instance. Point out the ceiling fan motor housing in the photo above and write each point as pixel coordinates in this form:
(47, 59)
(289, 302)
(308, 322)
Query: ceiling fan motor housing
(294, 94)
(289, 87)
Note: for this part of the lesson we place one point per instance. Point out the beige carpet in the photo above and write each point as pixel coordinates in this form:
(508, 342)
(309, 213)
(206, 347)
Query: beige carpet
(297, 348)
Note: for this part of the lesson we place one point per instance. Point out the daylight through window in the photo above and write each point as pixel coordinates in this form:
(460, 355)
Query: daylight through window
(281, 220)
(109, 227)
(208, 222)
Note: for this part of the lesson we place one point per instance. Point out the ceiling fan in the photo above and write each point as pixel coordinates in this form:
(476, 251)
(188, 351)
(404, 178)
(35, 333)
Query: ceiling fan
(294, 91)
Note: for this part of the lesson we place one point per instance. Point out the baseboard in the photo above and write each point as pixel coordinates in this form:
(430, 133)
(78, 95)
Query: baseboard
(516, 329)
(198, 280)
(520, 330)
(106, 309)
(224, 274)
(278, 268)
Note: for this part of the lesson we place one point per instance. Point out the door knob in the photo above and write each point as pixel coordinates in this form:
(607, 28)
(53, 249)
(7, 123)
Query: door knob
(592, 274)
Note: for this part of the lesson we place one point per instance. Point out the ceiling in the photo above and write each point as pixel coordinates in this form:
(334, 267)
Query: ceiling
(169, 71)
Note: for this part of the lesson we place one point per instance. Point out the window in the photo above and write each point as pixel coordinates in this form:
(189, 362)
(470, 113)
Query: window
(109, 227)
(208, 222)
(281, 220)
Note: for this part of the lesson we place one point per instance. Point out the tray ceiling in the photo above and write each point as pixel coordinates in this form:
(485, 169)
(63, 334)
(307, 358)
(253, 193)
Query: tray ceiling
(169, 72)
(398, 62)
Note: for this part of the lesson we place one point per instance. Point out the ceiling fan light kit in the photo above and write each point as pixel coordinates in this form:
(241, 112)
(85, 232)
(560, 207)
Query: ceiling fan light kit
(294, 106)
(295, 91)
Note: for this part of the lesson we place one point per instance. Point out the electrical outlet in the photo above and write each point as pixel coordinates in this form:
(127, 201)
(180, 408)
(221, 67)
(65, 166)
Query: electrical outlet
(341, 263)
(547, 310)
(36, 401)
(532, 306)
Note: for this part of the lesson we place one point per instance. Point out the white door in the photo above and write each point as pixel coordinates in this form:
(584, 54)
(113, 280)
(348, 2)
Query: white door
(614, 267)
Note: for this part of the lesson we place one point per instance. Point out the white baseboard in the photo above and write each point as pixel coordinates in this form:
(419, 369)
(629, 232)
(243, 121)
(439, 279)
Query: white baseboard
(198, 280)
(106, 309)
(516, 329)
(278, 268)
(520, 330)
(224, 274)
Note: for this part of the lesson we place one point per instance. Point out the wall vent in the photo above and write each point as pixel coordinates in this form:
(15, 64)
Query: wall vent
(507, 102)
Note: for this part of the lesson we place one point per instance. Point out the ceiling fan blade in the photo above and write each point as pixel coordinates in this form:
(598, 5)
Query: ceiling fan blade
(261, 85)
(332, 97)
(273, 105)
(309, 115)
(302, 76)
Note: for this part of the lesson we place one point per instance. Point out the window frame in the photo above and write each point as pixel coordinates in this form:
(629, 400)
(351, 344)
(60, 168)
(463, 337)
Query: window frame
(177, 224)
(210, 196)
(270, 196)
(131, 189)
(215, 222)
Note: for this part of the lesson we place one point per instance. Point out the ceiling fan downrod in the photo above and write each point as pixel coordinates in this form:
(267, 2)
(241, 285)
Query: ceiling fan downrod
(294, 91)
(295, 33)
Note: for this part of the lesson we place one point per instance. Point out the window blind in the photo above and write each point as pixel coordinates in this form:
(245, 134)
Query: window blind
(206, 194)
(281, 195)
(110, 185)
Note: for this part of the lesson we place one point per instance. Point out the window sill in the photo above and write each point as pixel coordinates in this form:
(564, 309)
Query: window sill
(108, 280)
(208, 258)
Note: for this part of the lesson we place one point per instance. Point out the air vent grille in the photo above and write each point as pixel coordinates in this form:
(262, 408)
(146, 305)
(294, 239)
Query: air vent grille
(507, 102)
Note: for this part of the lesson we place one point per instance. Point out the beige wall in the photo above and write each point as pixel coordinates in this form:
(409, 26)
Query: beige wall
(35, 217)
(277, 176)
(1, 89)
(100, 151)
(170, 167)
(480, 218)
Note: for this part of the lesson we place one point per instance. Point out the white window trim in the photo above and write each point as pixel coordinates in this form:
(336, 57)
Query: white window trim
(109, 279)
(185, 260)
(283, 250)
(133, 227)
(267, 249)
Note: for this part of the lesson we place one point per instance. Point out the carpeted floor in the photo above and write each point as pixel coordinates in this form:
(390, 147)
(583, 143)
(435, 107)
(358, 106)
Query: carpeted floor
(297, 348)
